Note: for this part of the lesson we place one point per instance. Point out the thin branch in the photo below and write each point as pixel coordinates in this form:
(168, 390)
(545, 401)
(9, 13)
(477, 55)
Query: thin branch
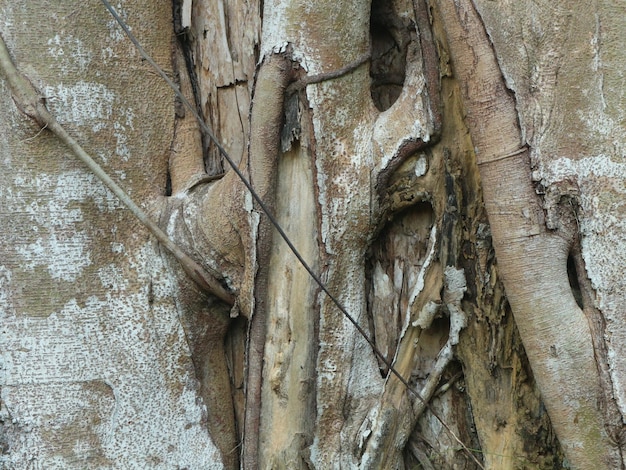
(324, 76)
(32, 103)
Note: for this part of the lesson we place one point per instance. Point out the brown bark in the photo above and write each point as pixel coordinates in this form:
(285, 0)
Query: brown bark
(532, 259)
(391, 217)
(262, 164)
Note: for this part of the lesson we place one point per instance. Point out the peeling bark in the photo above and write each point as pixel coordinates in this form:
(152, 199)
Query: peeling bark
(365, 158)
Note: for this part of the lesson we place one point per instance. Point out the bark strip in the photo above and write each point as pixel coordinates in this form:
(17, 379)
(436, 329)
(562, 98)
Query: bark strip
(266, 123)
(186, 165)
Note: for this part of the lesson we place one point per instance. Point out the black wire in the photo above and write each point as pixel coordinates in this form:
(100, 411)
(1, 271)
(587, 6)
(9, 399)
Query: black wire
(277, 226)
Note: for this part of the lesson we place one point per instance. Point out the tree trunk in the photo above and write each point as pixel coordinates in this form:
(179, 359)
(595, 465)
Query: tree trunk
(373, 132)
(96, 371)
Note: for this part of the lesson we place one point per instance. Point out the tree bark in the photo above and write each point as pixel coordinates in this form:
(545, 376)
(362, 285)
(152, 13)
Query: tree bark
(373, 131)
(532, 259)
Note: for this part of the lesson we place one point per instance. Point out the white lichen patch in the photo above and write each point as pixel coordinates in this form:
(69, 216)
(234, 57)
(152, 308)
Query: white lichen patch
(343, 204)
(121, 142)
(71, 53)
(92, 104)
(6, 276)
(421, 166)
(116, 34)
(112, 278)
(603, 125)
(6, 13)
(456, 285)
(275, 38)
(600, 165)
(82, 103)
(57, 240)
(406, 121)
(65, 257)
(109, 378)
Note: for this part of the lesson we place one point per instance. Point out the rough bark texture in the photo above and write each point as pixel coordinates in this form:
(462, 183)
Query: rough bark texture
(224, 39)
(95, 365)
(569, 82)
(532, 259)
(112, 356)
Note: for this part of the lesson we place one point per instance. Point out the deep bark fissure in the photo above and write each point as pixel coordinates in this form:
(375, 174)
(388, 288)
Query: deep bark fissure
(389, 41)
(320, 385)
(572, 276)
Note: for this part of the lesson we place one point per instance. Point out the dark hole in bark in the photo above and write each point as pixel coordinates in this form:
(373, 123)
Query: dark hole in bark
(394, 262)
(573, 280)
(389, 36)
(168, 184)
